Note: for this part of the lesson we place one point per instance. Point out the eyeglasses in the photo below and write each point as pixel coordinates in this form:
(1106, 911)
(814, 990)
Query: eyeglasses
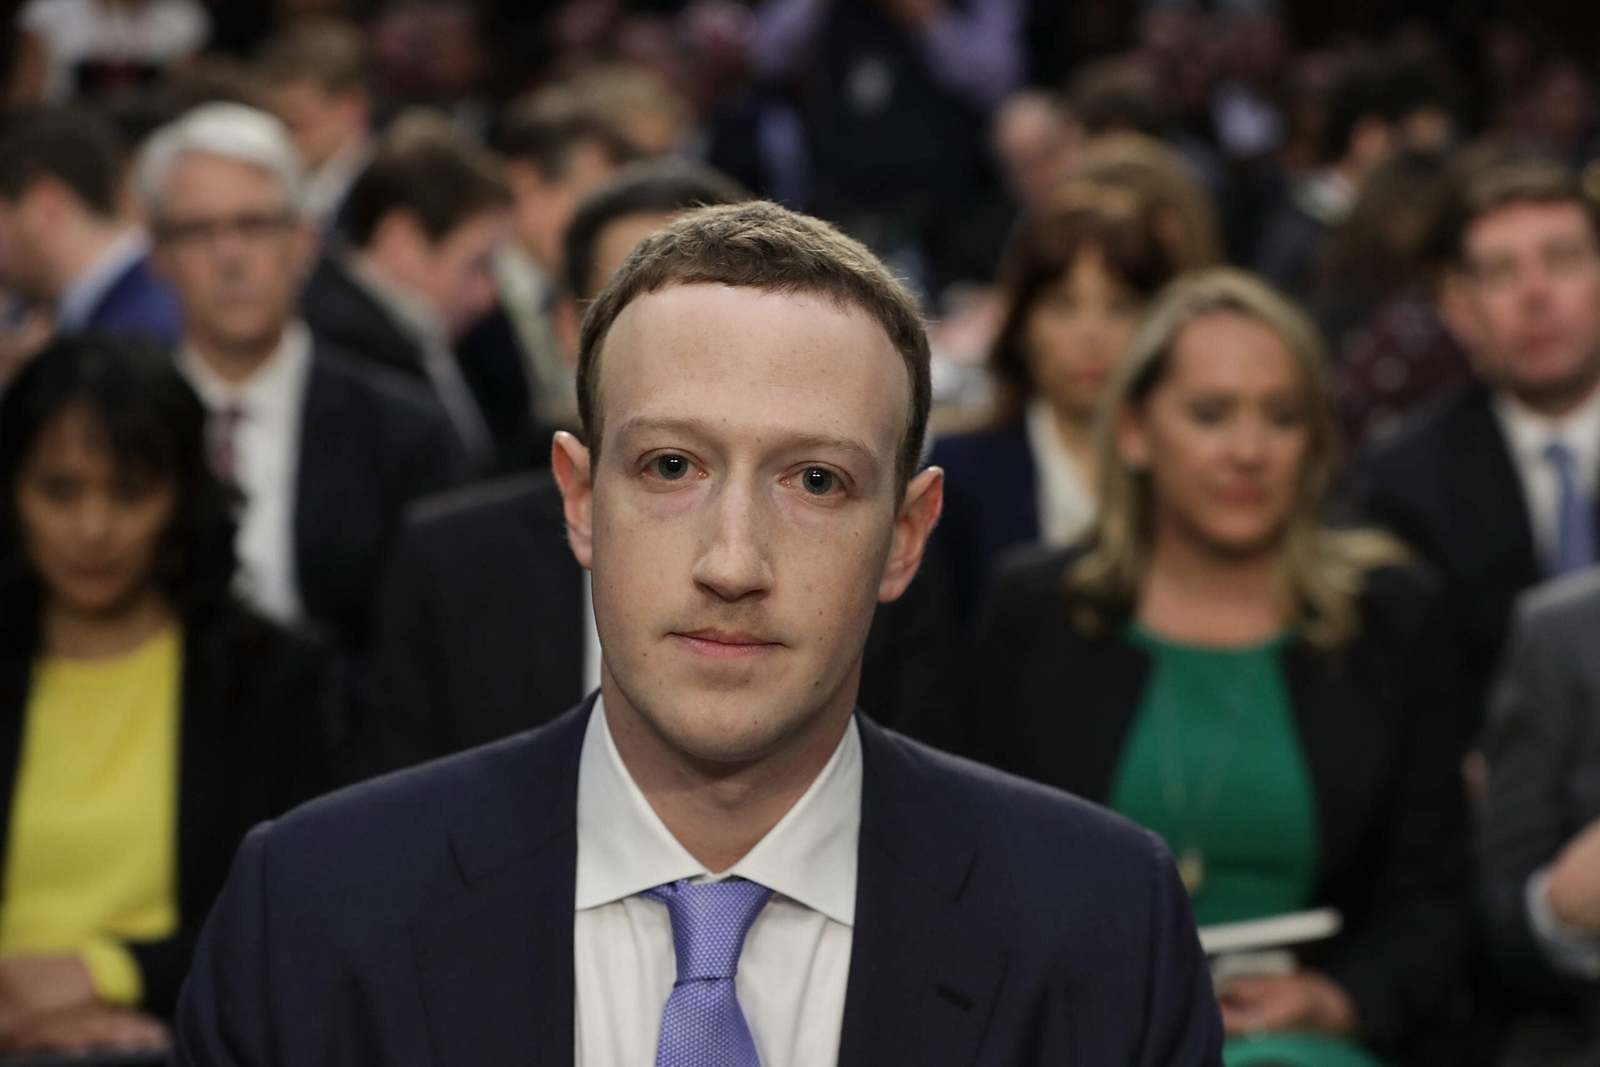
(249, 228)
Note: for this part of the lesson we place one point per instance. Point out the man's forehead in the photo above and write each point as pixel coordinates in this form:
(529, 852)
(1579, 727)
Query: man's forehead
(799, 356)
(1523, 222)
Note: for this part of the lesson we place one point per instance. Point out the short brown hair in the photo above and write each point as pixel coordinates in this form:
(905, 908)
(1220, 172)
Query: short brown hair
(759, 245)
(1500, 183)
(427, 167)
(324, 49)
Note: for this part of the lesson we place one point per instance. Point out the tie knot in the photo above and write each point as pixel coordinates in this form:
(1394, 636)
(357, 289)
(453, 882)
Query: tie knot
(1559, 455)
(709, 923)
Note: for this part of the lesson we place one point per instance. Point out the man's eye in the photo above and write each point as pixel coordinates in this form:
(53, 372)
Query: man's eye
(671, 468)
(818, 481)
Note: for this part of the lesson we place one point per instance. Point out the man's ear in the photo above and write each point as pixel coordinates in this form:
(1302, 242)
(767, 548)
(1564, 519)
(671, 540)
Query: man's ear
(1456, 307)
(919, 512)
(565, 322)
(569, 462)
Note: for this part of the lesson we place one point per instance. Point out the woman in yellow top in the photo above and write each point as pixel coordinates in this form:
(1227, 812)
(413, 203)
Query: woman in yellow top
(147, 720)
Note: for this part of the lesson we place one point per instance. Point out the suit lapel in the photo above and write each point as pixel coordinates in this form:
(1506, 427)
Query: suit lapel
(495, 964)
(1491, 488)
(923, 977)
(316, 492)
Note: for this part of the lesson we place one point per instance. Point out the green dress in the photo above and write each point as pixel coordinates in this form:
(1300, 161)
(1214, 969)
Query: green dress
(1213, 764)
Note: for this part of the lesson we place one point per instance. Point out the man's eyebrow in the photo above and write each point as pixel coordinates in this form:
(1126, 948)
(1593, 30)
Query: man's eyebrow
(703, 429)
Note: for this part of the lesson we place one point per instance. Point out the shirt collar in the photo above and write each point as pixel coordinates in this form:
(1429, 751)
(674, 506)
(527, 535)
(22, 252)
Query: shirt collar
(624, 848)
(77, 303)
(1529, 432)
(272, 388)
(1066, 507)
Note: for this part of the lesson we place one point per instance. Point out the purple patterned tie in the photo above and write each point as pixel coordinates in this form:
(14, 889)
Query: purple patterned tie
(702, 1025)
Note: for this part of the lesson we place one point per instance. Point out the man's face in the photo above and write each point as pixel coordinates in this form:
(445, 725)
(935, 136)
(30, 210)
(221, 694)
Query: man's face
(617, 239)
(321, 122)
(457, 271)
(742, 518)
(545, 203)
(1528, 304)
(232, 250)
(22, 261)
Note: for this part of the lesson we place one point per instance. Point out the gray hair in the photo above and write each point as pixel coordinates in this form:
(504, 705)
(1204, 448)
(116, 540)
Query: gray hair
(227, 131)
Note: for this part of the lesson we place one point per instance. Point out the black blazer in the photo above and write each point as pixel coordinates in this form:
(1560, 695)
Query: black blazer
(426, 919)
(370, 444)
(340, 310)
(478, 632)
(258, 713)
(991, 505)
(1447, 485)
(1056, 705)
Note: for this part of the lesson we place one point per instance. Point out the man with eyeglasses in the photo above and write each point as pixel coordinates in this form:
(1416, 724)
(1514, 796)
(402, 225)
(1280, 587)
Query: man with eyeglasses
(1496, 485)
(327, 451)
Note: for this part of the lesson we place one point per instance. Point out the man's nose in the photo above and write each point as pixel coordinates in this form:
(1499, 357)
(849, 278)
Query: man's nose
(734, 562)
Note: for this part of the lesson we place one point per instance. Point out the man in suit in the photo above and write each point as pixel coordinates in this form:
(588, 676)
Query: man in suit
(327, 451)
(67, 247)
(1495, 485)
(413, 274)
(1541, 839)
(483, 626)
(716, 860)
(316, 76)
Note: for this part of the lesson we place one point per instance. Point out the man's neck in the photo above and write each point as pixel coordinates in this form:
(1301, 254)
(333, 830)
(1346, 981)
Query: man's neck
(70, 634)
(1557, 404)
(235, 364)
(719, 812)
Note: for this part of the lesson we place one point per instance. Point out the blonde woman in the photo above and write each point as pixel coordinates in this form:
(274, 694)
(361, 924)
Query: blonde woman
(1266, 693)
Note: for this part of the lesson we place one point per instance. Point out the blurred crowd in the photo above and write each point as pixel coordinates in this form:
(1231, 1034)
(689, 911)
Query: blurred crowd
(1266, 381)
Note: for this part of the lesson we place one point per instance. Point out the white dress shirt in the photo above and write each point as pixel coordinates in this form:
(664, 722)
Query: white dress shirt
(796, 958)
(266, 458)
(1528, 434)
(78, 302)
(1065, 507)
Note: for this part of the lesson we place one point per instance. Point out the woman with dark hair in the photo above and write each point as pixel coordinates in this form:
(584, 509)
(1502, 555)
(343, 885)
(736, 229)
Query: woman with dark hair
(1075, 281)
(147, 721)
(1274, 697)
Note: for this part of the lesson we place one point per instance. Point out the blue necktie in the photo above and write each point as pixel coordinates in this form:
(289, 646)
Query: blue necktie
(1575, 548)
(703, 1025)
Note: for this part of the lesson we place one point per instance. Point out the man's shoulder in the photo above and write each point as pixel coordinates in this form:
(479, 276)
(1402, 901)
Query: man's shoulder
(392, 840)
(467, 511)
(1564, 612)
(379, 390)
(1034, 832)
(1430, 436)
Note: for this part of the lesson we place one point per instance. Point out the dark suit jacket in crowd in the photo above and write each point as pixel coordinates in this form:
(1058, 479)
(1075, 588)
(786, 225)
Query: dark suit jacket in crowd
(137, 304)
(370, 444)
(257, 720)
(342, 312)
(426, 918)
(479, 630)
(1447, 485)
(1056, 704)
(991, 505)
(1543, 747)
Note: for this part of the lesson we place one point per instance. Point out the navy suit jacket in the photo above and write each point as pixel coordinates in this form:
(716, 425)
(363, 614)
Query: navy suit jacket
(426, 918)
(136, 303)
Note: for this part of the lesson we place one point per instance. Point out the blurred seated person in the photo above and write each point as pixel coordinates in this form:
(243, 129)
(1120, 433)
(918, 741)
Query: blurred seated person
(1178, 208)
(316, 75)
(413, 274)
(1541, 838)
(557, 149)
(327, 450)
(1497, 485)
(147, 718)
(1075, 281)
(68, 246)
(1266, 693)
